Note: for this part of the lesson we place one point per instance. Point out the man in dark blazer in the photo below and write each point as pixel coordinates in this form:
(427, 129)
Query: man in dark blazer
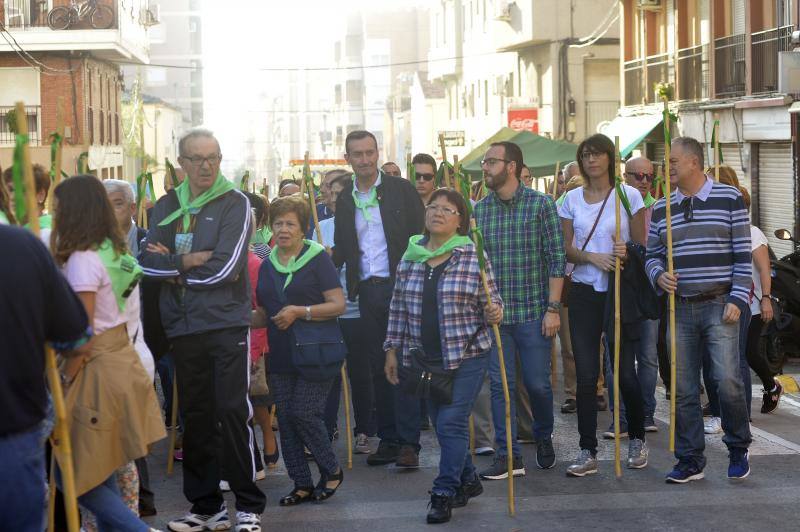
(375, 217)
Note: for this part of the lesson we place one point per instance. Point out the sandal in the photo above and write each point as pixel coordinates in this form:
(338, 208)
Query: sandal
(295, 496)
(271, 460)
(322, 491)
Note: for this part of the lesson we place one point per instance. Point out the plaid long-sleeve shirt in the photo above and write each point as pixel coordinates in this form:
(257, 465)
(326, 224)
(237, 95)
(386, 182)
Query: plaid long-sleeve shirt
(526, 246)
(460, 301)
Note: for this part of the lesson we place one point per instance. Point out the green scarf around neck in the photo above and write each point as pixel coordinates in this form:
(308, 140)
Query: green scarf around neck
(261, 236)
(417, 252)
(123, 270)
(648, 201)
(295, 263)
(364, 205)
(220, 187)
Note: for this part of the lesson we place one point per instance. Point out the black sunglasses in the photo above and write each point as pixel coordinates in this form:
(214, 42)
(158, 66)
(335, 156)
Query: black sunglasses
(425, 177)
(639, 176)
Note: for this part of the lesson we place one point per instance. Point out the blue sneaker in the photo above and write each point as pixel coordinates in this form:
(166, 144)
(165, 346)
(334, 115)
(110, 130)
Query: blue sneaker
(739, 466)
(684, 472)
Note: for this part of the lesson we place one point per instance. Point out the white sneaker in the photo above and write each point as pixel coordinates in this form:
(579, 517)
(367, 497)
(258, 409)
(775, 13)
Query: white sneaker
(198, 523)
(484, 451)
(712, 426)
(224, 486)
(247, 522)
(261, 474)
(361, 445)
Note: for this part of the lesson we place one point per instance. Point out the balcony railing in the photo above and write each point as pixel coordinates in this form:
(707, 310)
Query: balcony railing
(729, 66)
(32, 14)
(765, 48)
(634, 92)
(658, 67)
(33, 114)
(693, 73)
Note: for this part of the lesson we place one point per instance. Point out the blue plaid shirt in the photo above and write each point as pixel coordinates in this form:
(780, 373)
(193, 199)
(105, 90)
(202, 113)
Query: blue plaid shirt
(460, 299)
(524, 241)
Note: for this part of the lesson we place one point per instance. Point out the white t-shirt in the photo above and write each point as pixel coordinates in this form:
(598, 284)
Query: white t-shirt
(583, 216)
(757, 239)
(327, 227)
(85, 273)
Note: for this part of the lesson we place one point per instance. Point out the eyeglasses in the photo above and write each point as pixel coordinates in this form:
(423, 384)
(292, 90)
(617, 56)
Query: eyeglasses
(491, 161)
(639, 176)
(425, 177)
(588, 154)
(688, 211)
(212, 160)
(433, 208)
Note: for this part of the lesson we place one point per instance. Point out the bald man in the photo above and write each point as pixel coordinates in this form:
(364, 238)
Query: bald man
(639, 174)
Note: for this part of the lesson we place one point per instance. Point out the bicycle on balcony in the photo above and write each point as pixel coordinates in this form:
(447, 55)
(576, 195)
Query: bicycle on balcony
(100, 16)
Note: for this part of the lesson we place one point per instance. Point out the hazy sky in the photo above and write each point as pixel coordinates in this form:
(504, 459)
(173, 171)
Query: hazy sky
(242, 36)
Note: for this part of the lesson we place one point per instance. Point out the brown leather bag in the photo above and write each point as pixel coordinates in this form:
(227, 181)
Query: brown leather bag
(568, 277)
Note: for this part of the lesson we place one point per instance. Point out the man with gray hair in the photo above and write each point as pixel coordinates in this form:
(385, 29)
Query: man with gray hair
(197, 247)
(123, 200)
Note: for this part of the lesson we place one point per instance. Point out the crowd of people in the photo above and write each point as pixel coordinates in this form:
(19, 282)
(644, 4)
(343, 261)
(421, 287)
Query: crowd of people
(251, 308)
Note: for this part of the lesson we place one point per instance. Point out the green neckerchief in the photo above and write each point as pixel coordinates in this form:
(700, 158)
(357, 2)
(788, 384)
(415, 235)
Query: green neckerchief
(295, 263)
(364, 205)
(220, 187)
(648, 201)
(124, 271)
(261, 236)
(416, 252)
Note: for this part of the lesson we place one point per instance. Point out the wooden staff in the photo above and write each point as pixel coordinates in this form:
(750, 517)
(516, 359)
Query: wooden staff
(445, 169)
(617, 317)
(173, 432)
(716, 147)
(456, 171)
(471, 435)
(506, 396)
(58, 157)
(60, 439)
(555, 179)
(345, 390)
(673, 349)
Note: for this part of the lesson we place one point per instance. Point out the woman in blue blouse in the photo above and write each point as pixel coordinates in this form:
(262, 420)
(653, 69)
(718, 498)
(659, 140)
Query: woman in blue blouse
(298, 282)
(440, 310)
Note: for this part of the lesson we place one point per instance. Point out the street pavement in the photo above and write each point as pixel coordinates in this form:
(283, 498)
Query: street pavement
(387, 498)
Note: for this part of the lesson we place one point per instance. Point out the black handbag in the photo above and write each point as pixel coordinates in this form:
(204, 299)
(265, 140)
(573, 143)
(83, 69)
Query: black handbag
(318, 348)
(425, 381)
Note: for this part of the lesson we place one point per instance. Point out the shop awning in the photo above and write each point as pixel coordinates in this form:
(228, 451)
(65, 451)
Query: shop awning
(631, 130)
(539, 153)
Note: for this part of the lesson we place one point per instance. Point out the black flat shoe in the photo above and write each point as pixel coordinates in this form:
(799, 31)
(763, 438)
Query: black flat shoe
(295, 498)
(322, 491)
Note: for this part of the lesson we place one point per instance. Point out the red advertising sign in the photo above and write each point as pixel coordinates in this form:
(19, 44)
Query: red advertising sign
(524, 119)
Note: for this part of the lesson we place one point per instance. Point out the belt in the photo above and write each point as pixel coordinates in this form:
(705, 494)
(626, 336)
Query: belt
(377, 280)
(706, 296)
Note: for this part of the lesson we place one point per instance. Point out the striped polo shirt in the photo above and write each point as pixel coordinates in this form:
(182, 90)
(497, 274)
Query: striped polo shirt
(710, 242)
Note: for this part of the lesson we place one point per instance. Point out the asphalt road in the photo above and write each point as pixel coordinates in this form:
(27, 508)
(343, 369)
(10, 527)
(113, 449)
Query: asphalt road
(386, 498)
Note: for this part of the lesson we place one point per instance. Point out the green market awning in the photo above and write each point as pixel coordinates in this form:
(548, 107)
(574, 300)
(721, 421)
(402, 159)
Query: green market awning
(631, 130)
(539, 153)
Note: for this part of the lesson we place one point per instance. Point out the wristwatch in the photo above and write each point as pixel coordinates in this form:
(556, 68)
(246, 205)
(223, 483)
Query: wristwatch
(554, 306)
(308, 313)
(766, 296)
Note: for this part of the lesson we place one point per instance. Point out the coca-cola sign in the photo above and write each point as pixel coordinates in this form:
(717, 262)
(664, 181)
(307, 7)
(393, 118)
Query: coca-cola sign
(524, 119)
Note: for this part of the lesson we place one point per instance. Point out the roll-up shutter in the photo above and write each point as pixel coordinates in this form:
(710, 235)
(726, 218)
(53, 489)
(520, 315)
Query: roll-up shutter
(777, 196)
(732, 156)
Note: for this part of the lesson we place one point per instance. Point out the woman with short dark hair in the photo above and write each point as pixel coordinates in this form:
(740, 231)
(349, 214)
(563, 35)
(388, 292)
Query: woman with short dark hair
(298, 282)
(440, 319)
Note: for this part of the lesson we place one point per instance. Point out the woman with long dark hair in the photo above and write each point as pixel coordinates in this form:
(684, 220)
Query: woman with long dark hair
(109, 396)
(588, 221)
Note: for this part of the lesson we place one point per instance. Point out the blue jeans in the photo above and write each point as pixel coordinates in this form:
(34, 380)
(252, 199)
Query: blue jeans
(452, 427)
(700, 328)
(165, 367)
(23, 489)
(744, 368)
(112, 514)
(534, 356)
(646, 368)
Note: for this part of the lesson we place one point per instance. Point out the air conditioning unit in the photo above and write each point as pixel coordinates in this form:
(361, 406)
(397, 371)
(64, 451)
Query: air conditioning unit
(650, 5)
(502, 10)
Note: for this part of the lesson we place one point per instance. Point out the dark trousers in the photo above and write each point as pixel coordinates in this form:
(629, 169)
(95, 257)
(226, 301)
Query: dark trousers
(147, 499)
(755, 358)
(213, 376)
(397, 415)
(359, 373)
(662, 348)
(586, 317)
(300, 405)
